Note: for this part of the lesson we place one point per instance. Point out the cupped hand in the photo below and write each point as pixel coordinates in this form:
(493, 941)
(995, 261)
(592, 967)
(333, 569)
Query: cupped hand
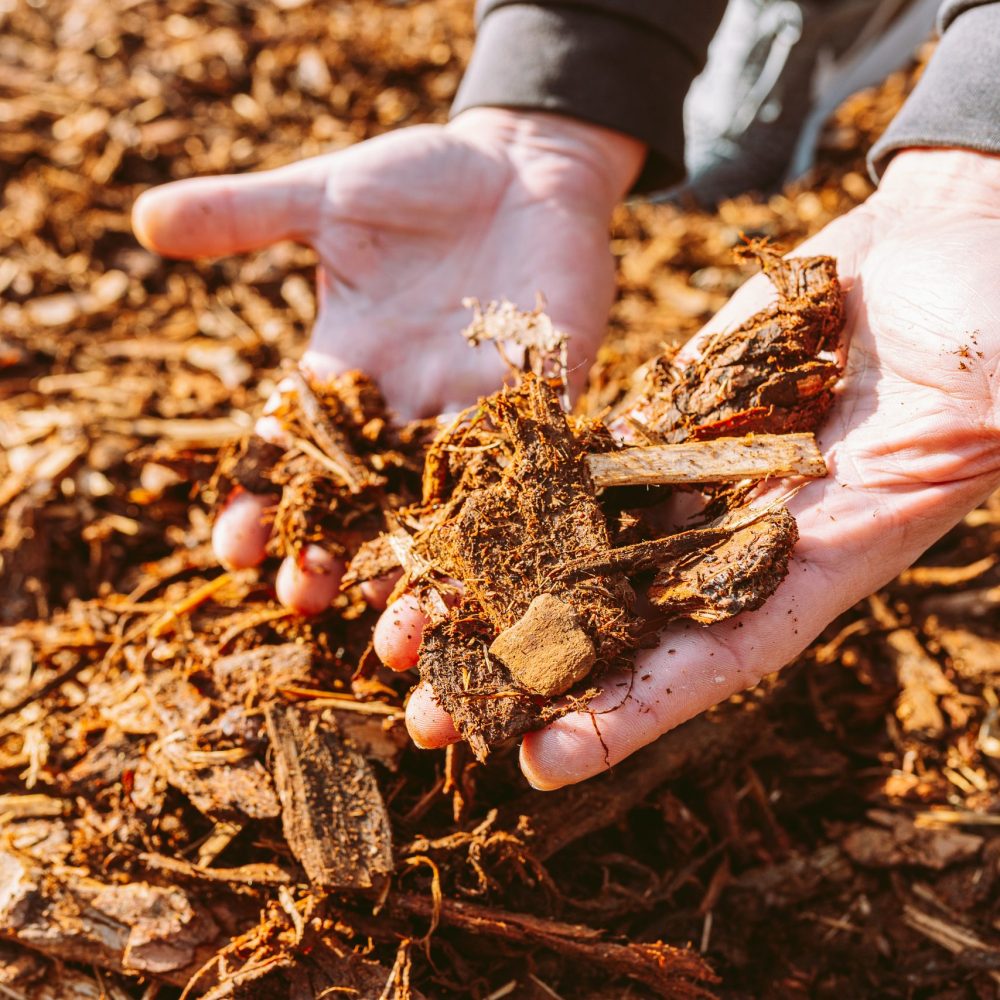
(912, 444)
(496, 204)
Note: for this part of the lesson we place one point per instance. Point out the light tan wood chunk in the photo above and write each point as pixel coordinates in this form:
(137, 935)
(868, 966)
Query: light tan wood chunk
(546, 650)
(727, 459)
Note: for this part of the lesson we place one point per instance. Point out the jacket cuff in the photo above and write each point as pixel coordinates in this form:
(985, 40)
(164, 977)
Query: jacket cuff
(956, 103)
(596, 64)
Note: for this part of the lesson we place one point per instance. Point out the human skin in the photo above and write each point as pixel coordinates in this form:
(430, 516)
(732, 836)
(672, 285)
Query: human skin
(912, 444)
(496, 204)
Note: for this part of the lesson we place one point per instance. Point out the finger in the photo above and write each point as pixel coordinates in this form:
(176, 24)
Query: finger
(398, 632)
(429, 725)
(309, 581)
(378, 591)
(215, 216)
(241, 530)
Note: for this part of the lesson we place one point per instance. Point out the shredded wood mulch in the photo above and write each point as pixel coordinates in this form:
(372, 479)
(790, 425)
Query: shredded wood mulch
(201, 794)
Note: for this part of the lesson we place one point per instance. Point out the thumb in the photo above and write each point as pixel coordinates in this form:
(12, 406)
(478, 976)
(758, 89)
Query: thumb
(215, 216)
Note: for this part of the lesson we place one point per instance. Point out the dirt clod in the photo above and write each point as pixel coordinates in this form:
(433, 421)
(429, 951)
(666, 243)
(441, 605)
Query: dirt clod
(546, 650)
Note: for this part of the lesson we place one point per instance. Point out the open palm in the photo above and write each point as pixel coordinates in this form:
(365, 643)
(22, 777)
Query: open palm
(408, 225)
(494, 205)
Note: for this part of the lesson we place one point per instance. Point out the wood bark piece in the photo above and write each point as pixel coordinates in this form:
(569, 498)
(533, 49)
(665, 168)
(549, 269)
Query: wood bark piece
(256, 674)
(678, 973)
(506, 537)
(475, 689)
(922, 682)
(223, 790)
(332, 812)
(26, 975)
(766, 376)
(726, 459)
(738, 574)
(135, 928)
(894, 839)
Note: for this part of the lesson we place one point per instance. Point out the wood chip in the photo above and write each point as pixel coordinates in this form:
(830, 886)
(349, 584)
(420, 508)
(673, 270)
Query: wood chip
(726, 459)
(331, 809)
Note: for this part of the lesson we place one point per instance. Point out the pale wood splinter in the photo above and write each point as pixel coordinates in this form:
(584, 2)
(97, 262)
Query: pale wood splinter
(727, 459)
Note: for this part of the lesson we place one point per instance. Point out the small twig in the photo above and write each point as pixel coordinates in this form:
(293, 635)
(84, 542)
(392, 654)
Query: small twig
(187, 604)
(329, 438)
(728, 459)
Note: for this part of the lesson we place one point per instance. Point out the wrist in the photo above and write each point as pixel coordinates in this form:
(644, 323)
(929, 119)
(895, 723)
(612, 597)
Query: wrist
(942, 178)
(571, 157)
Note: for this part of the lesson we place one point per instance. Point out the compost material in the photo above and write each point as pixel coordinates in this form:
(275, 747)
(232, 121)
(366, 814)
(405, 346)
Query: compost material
(830, 834)
(549, 591)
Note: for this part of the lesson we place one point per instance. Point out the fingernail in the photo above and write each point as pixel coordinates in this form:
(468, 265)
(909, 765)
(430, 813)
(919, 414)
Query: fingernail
(316, 561)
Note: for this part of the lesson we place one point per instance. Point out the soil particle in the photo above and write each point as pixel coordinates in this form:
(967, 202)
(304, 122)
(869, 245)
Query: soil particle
(546, 650)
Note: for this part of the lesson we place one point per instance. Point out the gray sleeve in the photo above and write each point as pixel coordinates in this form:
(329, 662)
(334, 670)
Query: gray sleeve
(623, 64)
(957, 101)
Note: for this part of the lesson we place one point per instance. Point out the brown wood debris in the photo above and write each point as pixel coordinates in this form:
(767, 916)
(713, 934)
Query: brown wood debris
(122, 375)
(136, 927)
(766, 376)
(755, 456)
(347, 468)
(332, 811)
(672, 973)
(512, 507)
(505, 533)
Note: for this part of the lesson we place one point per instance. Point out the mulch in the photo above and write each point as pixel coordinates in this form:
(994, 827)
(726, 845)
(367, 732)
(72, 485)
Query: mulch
(201, 793)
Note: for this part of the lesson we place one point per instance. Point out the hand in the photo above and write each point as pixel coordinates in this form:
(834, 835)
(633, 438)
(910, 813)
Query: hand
(913, 444)
(496, 204)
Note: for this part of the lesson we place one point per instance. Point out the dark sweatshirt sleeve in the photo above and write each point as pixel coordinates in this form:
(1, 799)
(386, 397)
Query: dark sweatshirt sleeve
(957, 101)
(623, 64)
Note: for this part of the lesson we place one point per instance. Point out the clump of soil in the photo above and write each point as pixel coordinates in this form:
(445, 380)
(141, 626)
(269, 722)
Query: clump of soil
(542, 549)
(549, 601)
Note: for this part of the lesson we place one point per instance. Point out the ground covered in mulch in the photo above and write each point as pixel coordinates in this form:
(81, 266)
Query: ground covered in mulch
(199, 791)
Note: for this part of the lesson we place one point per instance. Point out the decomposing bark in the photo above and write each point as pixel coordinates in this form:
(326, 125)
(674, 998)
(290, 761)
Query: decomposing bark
(512, 509)
(738, 574)
(331, 809)
(506, 541)
(224, 788)
(136, 927)
(766, 376)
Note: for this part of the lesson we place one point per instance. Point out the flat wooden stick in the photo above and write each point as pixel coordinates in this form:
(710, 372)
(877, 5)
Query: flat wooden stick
(727, 459)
